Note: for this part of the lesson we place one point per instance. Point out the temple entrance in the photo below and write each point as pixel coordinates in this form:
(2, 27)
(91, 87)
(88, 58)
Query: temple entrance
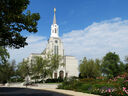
(55, 75)
(61, 74)
(66, 75)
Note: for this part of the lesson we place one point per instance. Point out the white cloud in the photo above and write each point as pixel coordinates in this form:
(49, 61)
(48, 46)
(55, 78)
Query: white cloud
(93, 42)
(98, 39)
(34, 39)
(36, 44)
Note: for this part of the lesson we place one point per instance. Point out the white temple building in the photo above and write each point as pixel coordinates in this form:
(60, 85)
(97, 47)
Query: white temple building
(55, 46)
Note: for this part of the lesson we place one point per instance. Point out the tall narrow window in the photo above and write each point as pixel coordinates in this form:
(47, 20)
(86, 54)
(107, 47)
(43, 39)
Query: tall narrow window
(55, 30)
(55, 49)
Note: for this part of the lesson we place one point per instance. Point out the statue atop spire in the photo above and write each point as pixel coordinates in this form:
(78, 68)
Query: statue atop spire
(54, 20)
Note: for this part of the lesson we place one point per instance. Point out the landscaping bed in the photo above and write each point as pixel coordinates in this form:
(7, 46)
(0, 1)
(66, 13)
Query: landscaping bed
(105, 87)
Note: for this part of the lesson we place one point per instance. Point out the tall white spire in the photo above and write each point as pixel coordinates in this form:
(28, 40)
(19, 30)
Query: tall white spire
(54, 19)
(54, 26)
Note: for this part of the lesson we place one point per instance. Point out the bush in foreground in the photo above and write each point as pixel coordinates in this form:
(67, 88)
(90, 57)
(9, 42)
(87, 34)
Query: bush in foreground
(112, 87)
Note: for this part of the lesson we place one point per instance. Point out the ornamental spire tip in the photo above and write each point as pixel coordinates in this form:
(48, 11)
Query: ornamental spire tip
(54, 10)
(54, 19)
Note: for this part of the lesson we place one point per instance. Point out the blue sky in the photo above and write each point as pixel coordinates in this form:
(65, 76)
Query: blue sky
(88, 28)
(76, 14)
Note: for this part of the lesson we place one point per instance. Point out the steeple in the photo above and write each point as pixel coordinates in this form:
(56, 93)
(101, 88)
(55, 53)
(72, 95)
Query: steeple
(54, 19)
(54, 26)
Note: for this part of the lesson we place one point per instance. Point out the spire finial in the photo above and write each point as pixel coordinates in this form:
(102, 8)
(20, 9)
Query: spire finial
(54, 10)
(54, 20)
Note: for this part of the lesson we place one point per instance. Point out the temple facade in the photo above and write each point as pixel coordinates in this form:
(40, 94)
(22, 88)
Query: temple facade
(55, 46)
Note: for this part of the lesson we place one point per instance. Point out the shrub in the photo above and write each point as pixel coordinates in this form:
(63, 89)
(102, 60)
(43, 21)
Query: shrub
(87, 80)
(54, 80)
(69, 83)
(125, 84)
(112, 87)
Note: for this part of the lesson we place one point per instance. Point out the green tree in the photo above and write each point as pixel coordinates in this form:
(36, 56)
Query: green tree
(90, 68)
(98, 63)
(42, 67)
(126, 68)
(7, 70)
(39, 67)
(82, 67)
(24, 68)
(126, 59)
(126, 65)
(4, 55)
(110, 64)
(122, 67)
(55, 63)
(13, 20)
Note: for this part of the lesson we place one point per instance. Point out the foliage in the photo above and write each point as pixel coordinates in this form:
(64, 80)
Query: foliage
(69, 84)
(122, 67)
(82, 67)
(126, 68)
(126, 65)
(125, 84)
(121, 90)
(16, 79)
(90, 68)
(54, 62)
(39, 67)
(54, 80)
(13, 20)
(24, 68)
(84, 85)
(7, 70)
(4, 55)
(113, 87)
(126, 59)
(110, 64)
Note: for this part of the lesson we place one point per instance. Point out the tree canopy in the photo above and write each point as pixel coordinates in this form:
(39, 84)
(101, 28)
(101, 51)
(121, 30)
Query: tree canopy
(7, 70)
(110, 64)
(24, 68)
(13, 20)
(4, 55)
(90, 68)
(40, 67)
(126, 59)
